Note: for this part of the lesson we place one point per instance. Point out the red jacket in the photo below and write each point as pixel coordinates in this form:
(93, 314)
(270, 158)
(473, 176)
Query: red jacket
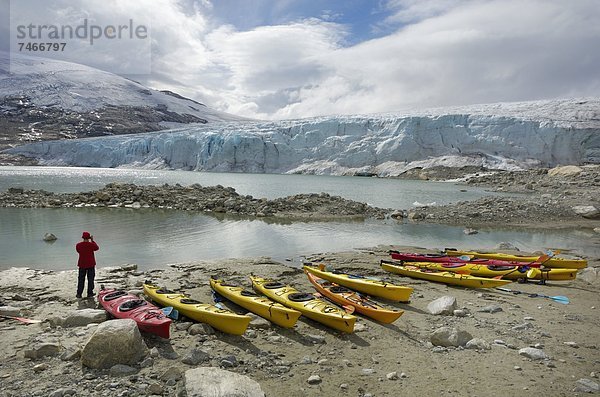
(86, 253)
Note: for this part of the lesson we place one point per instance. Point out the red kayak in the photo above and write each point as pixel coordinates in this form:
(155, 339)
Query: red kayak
(440, 258)
(148, 317)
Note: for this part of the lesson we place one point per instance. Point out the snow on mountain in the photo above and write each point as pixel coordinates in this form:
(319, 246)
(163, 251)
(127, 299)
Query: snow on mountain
(44, 99)
(506, 136)
(66, 85)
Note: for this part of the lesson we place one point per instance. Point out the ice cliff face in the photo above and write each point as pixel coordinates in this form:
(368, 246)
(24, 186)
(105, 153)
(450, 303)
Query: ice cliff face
(508, 136)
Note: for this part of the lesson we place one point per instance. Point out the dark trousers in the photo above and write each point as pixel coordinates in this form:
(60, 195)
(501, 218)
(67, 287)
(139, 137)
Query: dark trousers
(90, 272)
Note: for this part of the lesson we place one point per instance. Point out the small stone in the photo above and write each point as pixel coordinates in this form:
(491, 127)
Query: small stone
(154, 352)
(533, 353)
(50, 237)
(195, 357)
(522, 327)
(306, 360)
(367, 371)
(392, 376)
(585, 385)
(572, 344)
(314, 380)
(478, 344)
(258, 322)
(40, 367)
(517, 368)
(344, 386)
(460, 313)
(360, 327)
(122, 370)
(155, 388)
(490, 309)
(316, 339)
(183, 326)
(506, 246)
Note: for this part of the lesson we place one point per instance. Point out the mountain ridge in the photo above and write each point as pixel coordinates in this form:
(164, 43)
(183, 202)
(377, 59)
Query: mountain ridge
(46, 99)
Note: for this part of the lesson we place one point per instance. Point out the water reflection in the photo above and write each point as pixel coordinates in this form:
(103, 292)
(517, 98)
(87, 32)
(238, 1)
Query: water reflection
(152, 238)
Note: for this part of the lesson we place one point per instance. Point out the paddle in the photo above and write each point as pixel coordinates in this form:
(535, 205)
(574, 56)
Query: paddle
(21, 319)
(170, 312)
(559, 298)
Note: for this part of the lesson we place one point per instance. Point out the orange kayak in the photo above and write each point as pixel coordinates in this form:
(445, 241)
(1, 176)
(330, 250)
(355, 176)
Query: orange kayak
(346, 297)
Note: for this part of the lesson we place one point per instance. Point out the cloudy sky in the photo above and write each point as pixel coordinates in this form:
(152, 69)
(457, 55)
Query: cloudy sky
(275, 59)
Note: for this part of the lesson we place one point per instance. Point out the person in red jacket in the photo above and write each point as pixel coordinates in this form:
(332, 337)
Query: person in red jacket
(86, 264)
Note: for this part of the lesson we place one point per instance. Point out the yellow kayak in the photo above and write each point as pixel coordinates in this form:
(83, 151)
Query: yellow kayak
(313, 308)
(222, 319)
(553, 262)
(264, 307)
(507, 272)
(463, 280)
(368, 286)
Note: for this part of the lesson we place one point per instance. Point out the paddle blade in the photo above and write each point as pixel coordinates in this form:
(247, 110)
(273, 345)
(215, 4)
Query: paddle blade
(23, 320)
(349, 309)
(533, 273)
(170, 312)
(542, 259)
(560, 299)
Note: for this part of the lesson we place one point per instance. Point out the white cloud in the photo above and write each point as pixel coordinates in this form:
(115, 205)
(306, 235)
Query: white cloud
(480, 52)
(448, 52)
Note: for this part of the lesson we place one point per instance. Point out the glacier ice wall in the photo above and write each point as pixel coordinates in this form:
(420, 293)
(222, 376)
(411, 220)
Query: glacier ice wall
(508, 136)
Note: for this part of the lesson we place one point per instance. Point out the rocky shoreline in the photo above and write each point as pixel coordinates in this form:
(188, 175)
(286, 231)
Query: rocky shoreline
(563, 197)
(215, 199)
(479, 343)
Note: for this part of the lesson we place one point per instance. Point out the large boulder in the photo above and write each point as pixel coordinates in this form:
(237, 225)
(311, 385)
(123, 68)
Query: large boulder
(10, 311)
(444, 305)
(216, 382)
(566, 170)
(450, 337)
(589, 275)
(587, 211)
(81, 318)
(42, 350)
(533, 353)
(114, 342)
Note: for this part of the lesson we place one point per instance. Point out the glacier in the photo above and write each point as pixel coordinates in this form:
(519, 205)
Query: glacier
(496, 136)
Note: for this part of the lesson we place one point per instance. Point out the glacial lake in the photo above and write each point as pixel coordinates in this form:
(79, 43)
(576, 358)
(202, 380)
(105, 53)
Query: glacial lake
(152, 238)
